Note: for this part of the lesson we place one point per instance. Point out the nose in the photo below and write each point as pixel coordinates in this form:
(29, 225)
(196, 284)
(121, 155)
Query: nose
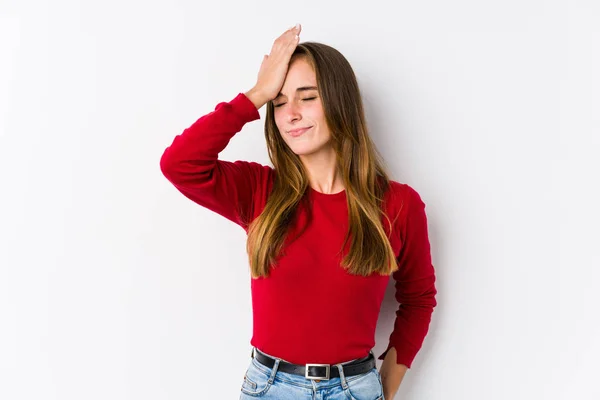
(293, 112)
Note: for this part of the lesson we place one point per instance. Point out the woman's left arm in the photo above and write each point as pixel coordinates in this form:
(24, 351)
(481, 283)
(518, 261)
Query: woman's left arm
(415, 293)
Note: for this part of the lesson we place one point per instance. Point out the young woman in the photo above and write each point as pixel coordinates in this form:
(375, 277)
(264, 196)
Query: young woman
(326, 229)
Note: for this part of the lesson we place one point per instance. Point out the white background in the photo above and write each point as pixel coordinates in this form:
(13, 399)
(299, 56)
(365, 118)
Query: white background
(115, 286)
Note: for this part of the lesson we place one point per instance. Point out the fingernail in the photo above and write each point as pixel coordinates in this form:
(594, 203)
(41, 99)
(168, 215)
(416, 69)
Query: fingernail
(297, 26)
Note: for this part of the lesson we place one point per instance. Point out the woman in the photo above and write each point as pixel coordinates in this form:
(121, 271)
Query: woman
(326, 229)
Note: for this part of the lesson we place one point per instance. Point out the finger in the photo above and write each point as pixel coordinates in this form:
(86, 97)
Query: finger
(288, 38)
(294, 30)
(284, 42)
(293, 41)
(293, 37)
(287, 32)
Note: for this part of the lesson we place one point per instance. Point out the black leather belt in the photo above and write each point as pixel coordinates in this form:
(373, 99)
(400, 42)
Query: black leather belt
(318, 371)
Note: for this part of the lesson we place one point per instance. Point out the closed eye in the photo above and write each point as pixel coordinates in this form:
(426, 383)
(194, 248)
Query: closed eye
(307, 99)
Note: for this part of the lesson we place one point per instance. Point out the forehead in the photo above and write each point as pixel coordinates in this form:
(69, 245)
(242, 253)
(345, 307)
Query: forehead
(299, 74)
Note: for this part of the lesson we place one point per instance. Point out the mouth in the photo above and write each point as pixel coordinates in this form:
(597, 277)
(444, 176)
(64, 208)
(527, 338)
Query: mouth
(298, 132)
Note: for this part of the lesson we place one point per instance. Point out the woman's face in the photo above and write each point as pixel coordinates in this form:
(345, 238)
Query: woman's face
(299, 106)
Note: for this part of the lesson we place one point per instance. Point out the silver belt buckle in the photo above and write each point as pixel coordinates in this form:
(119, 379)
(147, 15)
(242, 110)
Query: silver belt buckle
(326, 377)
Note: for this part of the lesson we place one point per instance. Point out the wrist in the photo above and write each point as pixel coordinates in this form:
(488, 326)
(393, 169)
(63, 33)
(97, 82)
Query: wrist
(256, 96)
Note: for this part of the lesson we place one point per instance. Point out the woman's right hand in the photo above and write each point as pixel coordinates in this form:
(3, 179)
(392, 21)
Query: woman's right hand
(274, 67)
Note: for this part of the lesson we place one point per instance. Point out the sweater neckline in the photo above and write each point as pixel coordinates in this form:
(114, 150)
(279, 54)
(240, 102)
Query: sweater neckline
(327, 196)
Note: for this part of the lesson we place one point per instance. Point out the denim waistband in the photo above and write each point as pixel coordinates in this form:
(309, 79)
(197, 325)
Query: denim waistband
(301, 382)
(342, 363)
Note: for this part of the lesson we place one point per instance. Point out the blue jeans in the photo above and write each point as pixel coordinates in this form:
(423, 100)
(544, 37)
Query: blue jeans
(269, 383)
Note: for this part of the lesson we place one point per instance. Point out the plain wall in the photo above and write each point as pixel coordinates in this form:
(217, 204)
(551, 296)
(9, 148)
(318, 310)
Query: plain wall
(115, 286)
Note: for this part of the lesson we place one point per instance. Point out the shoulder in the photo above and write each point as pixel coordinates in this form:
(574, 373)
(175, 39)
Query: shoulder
(406, 208)
(401, 196)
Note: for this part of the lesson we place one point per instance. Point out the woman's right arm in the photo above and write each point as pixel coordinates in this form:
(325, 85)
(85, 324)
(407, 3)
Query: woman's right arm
(191, 163)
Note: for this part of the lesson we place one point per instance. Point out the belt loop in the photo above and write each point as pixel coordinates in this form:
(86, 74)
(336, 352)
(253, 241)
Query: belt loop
(274, 370)
(342, 376)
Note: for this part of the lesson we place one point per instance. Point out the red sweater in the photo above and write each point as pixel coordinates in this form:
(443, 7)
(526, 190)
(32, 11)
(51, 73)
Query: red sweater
(309, 310)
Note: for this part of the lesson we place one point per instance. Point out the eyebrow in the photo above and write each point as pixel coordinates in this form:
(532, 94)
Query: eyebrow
(300, 89)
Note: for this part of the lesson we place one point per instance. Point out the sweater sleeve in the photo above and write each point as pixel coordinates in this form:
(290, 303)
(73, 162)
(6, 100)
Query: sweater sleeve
(415, 283)
(191, 162)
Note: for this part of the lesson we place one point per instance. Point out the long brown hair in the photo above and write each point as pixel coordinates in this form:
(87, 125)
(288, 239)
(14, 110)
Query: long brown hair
(361, 167)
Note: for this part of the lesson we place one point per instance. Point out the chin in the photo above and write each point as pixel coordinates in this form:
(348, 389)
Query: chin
(304, 151)
(307, 147)
(301, 152)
